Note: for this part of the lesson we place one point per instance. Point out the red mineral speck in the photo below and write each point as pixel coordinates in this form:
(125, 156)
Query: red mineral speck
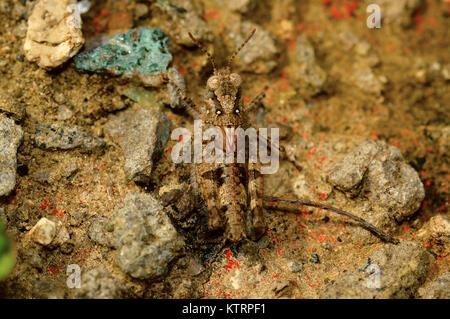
(336, 13)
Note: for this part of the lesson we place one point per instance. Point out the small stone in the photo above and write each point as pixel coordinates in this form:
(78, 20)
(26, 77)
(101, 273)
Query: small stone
(140, 10)
(100, 232)
(194, 267)
(59, 97)
(315, 259)
(294, 266)
(77, 217)
(141, 135)
(145, 237)
(43, 232)
(98, 283)
(54, 33)
(20, 57)
(364, 78)
(184, 16)
(396, 271)
(176, 102)
(439, 226)
(59, 136)
(381, 174)
(348, 173)
(439, 288)
(61, 237)
(306, 69)
(258, 56)
(10, 138)
(64, 113)
(141, 53)
(362, 48)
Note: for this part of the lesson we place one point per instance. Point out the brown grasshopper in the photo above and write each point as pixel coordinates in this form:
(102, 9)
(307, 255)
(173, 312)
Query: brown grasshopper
(233, 192)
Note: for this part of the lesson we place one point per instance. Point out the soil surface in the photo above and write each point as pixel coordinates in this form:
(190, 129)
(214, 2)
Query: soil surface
(332, 84)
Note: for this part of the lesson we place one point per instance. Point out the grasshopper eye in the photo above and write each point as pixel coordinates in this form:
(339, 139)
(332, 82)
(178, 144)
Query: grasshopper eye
(213, 83)
(235, 79)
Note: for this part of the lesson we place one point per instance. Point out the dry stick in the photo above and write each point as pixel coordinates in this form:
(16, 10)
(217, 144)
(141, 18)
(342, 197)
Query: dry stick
(271, 203)
(200, 46)
(240, 48)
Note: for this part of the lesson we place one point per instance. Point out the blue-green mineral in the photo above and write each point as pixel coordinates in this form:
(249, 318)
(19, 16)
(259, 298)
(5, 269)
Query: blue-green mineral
(143, 52)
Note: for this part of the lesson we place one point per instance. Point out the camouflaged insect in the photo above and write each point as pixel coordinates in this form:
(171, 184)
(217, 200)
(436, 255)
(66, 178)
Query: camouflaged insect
(233, 192)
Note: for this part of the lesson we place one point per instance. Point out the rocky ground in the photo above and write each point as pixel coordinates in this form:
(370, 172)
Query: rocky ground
(86, 176)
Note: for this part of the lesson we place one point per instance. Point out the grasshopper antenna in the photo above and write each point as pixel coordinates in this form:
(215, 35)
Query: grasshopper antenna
(200, 46)
(277, 204)
(230, 60)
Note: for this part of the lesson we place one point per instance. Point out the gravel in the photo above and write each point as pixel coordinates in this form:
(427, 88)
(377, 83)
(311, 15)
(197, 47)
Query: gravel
(43, 232)
(145, 237)
(98, 283)
(59, 136)
(10, 139)
(141, 135)
(381, 174)
(439, 288)
(402, 270)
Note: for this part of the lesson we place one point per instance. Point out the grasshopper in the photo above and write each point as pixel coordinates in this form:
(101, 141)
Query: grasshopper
(233, 192)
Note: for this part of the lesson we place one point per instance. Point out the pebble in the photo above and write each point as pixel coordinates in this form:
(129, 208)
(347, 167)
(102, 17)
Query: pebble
(402, 270)
(100, 232)
(141, 53)
(438, 226)
(43, 232)
(10, 138)
(64, 113)
(146, 239)
(258, 56)
(306, 69)
(294, 266)
(141, 135)
(98, 283)
(54, 33)
(59, 136)
(389, 182)
(62, 235)
(176, 102)
(315, 259)
(185, 17)
(140, 10)
(439, 288)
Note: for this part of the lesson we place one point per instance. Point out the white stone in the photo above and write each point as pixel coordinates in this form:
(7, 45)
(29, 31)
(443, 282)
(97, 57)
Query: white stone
(439, 225)
(54, 32)
(43, 232)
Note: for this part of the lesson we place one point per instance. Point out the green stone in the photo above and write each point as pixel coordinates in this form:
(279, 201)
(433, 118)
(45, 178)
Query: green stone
(141, 51)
